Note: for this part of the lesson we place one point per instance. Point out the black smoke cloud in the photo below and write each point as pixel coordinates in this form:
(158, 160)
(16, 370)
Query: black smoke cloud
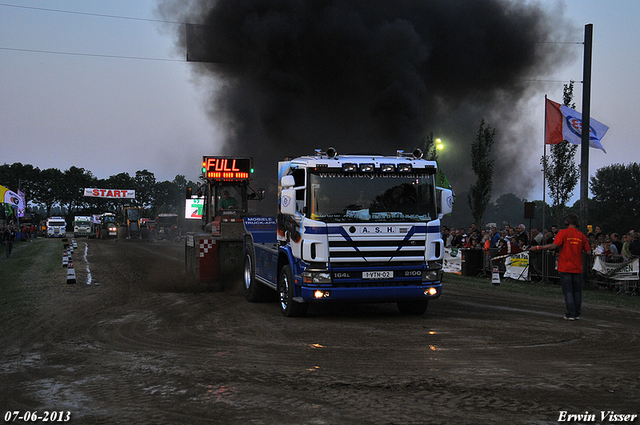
(373, 75)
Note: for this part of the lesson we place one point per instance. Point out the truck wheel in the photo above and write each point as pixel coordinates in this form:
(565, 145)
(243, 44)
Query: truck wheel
(414, 308)
(288, 306)
(254, 291)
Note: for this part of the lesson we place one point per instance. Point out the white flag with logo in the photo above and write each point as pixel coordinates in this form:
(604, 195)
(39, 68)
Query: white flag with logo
(572, 128)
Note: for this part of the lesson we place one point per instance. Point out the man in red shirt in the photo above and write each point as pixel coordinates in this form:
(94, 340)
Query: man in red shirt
(572, 244)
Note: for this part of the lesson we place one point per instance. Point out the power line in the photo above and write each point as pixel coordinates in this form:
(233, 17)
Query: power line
(101, 15)
(549, 81)
(94, 55)
(558, 42)
(51, 52)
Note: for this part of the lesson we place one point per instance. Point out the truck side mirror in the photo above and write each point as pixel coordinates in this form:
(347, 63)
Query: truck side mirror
(287, 182)
(446, 202)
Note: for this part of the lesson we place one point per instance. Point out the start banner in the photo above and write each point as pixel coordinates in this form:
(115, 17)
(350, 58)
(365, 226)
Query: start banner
(110, 193)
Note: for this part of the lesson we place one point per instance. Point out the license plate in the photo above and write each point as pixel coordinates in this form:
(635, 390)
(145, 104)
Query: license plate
(112, 233)
(377, 275)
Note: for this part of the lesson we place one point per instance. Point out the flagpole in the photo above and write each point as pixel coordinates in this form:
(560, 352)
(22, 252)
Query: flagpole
(544, 167)
(586, 125)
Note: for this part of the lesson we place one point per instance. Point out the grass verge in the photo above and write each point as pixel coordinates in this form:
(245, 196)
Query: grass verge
(27, 272)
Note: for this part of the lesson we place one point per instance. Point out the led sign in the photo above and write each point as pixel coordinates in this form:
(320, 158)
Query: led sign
(226, 168)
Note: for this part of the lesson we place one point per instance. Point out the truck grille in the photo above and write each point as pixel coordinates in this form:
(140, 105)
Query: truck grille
(372, 251)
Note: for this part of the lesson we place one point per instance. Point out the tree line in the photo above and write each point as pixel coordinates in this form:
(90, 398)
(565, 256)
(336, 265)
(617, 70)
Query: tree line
(51, 188)
(615, 204)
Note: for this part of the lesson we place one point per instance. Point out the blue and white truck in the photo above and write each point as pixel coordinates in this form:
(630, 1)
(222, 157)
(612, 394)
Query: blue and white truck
(56, 227)
(349, 228)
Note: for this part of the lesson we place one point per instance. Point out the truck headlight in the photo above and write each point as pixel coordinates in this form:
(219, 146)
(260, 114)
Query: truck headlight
(316, 278)
(430, 275)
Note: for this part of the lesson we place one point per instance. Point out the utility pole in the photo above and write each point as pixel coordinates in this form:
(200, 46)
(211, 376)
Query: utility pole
(586, 126)
(18, 209)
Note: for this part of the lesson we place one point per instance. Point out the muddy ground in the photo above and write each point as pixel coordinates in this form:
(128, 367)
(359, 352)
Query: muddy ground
(134, 341)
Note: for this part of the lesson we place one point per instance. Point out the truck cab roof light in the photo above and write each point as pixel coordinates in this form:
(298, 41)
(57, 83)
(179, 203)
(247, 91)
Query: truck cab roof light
(404, 168)
(349, 168)
(330, 153)
(416, 154)
(388, 168)
(367, 168)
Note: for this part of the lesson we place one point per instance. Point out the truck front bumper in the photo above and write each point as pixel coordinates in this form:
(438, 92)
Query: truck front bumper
(329, 293)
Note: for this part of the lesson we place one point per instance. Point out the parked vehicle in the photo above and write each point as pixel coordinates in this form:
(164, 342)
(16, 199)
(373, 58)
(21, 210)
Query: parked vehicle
(166, 226)
(56, 227)
(81, 226)
(131, 219)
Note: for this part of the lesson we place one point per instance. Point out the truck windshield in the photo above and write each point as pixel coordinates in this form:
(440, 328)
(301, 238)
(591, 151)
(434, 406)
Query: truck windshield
(340, 197)
(57, 223)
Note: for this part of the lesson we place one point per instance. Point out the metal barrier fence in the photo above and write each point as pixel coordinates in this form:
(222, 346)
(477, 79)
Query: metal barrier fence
(543, 267)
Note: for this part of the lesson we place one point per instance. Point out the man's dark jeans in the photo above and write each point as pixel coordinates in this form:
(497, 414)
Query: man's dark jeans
(572, 289)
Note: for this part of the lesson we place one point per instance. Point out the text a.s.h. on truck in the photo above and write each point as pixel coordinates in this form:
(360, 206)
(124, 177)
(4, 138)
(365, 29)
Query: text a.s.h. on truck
(350, 228)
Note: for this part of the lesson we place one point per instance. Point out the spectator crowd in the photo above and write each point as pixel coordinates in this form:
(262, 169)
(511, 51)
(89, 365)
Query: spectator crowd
(10, 234)
(610, 245)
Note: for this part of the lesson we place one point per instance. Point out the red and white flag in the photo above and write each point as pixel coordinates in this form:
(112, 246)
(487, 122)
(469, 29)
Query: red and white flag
(564, 123)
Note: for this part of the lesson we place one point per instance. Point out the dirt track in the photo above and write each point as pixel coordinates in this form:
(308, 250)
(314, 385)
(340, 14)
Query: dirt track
(141, 344)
